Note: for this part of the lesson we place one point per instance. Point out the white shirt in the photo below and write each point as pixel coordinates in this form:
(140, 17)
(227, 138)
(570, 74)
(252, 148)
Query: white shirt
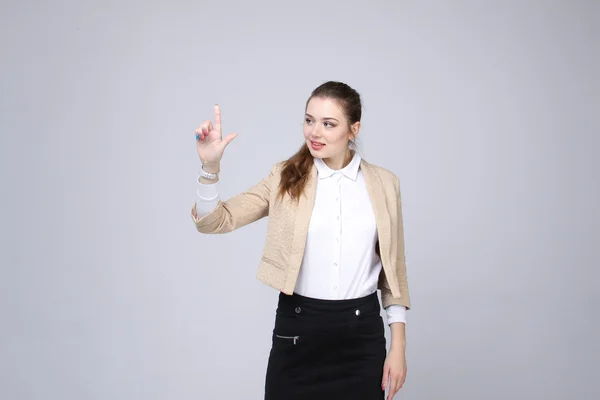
(339, 259)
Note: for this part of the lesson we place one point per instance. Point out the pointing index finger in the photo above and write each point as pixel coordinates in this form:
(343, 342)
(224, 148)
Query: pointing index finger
(218, 119)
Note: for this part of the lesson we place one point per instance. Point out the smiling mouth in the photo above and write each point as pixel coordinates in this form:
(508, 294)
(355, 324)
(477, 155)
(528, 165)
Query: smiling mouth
(317, 143)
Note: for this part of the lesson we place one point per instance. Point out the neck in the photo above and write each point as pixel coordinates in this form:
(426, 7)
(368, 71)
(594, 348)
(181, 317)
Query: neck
(339, 161)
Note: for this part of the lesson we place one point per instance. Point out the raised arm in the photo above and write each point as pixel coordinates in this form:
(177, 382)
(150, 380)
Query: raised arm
(238, 211)
(216, 216)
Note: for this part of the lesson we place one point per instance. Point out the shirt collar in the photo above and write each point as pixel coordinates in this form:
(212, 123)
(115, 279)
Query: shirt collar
(349, 171)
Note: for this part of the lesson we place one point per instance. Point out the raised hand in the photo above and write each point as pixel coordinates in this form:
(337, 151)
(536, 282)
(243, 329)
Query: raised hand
(210, 143)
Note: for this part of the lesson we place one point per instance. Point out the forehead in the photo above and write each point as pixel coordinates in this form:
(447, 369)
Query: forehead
(320, 107)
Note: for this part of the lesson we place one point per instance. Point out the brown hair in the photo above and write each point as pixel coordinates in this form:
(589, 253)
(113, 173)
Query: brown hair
(294, 173)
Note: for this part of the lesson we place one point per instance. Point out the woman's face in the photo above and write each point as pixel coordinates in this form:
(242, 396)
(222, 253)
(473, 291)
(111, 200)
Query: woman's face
(327, 132)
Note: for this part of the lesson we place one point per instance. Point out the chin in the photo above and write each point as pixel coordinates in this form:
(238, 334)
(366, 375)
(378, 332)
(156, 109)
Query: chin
(318, 154)
(315, 154)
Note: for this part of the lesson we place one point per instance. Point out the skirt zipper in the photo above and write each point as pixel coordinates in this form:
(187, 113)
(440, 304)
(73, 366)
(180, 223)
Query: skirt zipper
(289, 337)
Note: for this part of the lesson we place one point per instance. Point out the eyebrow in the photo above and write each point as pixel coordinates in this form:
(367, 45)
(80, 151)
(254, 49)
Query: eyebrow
(308, 115)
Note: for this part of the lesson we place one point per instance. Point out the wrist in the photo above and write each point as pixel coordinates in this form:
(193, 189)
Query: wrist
(211, 168)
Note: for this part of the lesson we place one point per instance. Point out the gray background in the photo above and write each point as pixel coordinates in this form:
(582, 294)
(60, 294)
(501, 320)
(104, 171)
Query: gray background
(488, 112)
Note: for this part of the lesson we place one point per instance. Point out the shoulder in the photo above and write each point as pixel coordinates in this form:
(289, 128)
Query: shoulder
(386, 175)
(276, 169)
(278, 166)
(274, 176)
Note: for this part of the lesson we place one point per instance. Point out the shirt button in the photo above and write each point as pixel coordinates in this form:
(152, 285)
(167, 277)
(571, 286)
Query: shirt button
(298, 309)
(335, 264)
(357, 312)
(337, 239)
(338, 217)
(335, 288)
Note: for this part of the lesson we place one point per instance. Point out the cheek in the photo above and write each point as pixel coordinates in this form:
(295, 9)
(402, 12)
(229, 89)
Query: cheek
(337, 137)
(307, 131)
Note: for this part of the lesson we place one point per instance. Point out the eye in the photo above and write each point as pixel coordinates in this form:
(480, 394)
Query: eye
(329, 125)
(307, 120)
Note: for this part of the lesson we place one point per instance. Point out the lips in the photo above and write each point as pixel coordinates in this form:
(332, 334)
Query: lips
(316, 146)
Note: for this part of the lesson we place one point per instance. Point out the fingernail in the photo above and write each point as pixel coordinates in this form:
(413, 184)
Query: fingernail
(197, 136)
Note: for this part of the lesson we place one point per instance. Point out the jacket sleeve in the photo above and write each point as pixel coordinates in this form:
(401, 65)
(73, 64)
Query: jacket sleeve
(238, 211)
(386, 293)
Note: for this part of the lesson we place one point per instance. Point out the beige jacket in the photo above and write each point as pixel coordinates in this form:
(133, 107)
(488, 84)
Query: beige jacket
(288, 225)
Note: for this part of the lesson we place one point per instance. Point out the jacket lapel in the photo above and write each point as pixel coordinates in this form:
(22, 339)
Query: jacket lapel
(302, 220)
(306, 203)
(382, 220)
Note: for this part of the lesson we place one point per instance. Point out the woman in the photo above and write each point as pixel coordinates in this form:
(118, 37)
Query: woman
(334, 237)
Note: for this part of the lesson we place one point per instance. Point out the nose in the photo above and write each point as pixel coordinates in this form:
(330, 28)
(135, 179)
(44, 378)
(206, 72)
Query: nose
(315, 133)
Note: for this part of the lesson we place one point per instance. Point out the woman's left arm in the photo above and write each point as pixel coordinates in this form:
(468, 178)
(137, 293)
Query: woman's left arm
(394, 370)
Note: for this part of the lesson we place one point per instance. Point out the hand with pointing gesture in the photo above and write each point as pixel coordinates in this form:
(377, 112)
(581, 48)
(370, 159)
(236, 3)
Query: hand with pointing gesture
(210, 143)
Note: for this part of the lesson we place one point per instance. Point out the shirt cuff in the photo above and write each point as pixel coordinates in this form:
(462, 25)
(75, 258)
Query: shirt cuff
(395, 313)
(208, 198)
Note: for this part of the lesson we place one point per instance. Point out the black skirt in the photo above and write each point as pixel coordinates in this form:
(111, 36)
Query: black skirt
(326, 349)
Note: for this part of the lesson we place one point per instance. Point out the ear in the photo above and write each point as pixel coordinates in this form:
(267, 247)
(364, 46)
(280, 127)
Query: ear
(354, 128)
